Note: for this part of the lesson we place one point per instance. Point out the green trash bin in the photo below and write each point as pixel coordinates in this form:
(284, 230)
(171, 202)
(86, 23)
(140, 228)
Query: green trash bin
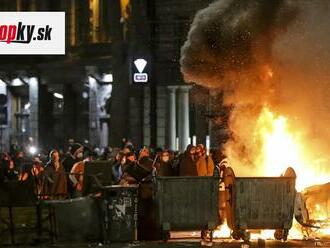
(187, 204)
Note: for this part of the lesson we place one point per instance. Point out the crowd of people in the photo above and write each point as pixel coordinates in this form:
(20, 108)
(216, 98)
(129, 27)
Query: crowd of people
(61, 175)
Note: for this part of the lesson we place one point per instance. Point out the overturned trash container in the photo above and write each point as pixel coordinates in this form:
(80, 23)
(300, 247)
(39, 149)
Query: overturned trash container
(120, 216)
(258, 203)
(187, 204)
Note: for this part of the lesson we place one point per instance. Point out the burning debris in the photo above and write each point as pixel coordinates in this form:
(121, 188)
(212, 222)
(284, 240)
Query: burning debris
(271, 60)
(317, 201)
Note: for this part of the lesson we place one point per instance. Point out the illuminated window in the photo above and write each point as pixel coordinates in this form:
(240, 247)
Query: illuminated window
(125, 8)
(125, 14)
(73, 23)
(94, 19)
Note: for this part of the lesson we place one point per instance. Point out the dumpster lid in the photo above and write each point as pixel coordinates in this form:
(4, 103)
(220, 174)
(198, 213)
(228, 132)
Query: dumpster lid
(119, 186)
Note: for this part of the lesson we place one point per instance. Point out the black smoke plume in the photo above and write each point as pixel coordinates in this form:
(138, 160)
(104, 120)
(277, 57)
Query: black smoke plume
(230, 37)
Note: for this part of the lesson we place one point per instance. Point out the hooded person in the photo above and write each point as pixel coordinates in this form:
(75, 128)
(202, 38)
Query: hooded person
(144, 159)
(204, 163)
(165, 165)
(187, 166)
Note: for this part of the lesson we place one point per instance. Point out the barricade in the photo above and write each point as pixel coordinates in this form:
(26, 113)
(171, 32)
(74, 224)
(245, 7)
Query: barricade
(260, 203)
(187, 203)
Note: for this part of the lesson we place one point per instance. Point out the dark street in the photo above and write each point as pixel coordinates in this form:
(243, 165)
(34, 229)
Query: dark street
(216, 244)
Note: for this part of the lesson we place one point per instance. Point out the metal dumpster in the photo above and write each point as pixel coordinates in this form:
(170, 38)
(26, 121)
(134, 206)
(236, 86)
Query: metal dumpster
(75, 221)
(120, 216)
(20, 212)
(260, 203)
(187, 203)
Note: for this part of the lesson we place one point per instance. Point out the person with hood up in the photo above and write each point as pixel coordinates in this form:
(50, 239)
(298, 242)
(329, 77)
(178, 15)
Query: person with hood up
(144, 159)
(204, 163)
(165, 165)
(187, 165)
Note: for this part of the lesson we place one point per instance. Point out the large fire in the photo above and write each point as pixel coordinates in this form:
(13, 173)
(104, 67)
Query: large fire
(283, 146)
(264, 57)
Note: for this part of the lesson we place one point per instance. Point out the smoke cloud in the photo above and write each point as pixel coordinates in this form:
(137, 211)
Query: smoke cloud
(272, 53)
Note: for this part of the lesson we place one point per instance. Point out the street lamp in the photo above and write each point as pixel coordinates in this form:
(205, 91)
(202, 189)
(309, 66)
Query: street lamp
(33, 150)
(58, 95)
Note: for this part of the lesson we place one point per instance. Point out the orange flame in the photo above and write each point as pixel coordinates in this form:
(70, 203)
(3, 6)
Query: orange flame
(282, 147)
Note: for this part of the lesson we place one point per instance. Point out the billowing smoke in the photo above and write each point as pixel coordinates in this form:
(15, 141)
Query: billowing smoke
(261, 53)
(233, 37)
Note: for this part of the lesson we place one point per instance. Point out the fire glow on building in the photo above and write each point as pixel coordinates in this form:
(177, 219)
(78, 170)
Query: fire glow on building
(271, 60)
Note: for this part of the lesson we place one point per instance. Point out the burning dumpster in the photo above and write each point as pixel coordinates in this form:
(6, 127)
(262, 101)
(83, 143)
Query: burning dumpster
(317, 202)
(260, 203)
(187, 203)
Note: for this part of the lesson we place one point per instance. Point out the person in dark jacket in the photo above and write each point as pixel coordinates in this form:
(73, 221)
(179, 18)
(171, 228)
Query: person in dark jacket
(11, 172)
(54, 178)
(75, 154)
(36, 172)
(117, 167)
(144, 159)
(187, 165)
(22, 165)
(165, 165)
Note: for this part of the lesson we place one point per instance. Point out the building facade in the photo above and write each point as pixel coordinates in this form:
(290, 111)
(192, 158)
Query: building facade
(95, 93)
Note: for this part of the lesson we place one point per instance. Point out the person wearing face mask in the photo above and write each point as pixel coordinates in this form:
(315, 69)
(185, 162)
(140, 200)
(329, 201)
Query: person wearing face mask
(165, 165)
(204, 163)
